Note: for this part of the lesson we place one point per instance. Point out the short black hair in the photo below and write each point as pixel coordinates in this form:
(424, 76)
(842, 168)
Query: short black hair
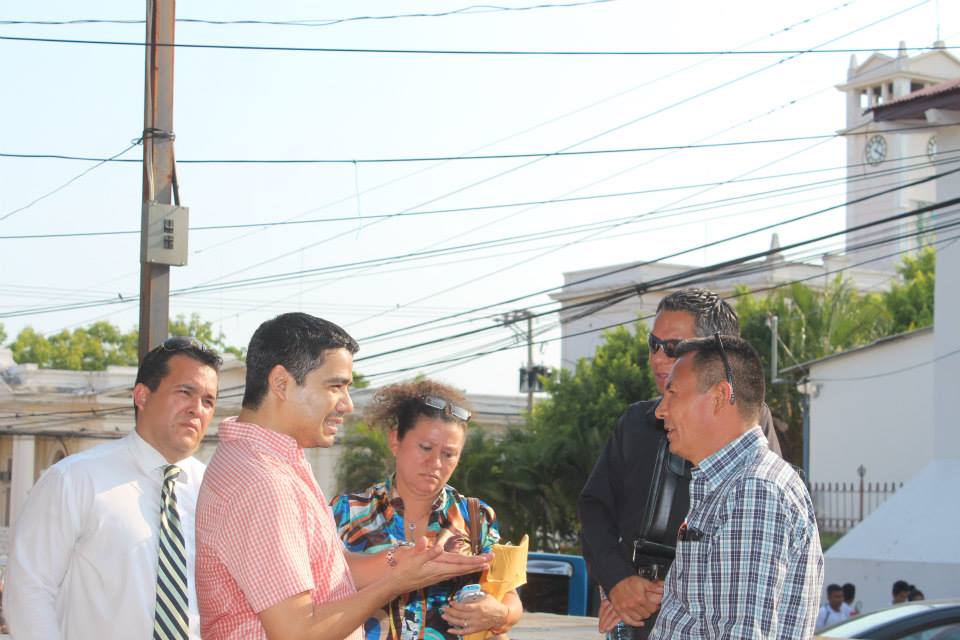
(154, 367)
(745, 367)
(833, 588)
(296, 341)
(849, 592)
(900, 586)
(711, 312)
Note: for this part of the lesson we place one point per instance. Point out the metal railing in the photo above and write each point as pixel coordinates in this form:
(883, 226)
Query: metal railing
(841, 505)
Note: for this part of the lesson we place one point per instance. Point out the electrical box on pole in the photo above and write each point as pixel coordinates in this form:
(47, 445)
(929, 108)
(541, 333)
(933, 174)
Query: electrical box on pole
(166, 241)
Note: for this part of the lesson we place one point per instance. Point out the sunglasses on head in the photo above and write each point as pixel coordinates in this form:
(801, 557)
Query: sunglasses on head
(669, 346)
(438, 403)
(181, 343)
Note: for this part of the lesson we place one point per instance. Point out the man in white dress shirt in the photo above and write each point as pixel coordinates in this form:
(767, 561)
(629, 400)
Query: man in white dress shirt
(84, 555)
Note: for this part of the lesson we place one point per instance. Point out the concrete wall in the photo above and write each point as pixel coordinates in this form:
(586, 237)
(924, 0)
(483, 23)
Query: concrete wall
(947, 311)
(884, 423)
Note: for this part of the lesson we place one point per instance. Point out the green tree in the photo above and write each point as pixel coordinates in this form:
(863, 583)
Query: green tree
(366, 458)
(203, 331)
(533, 474)
(910, 299)
(360, 381)
(90, 348)
(3, 334)
(101, 344)
(812, 324)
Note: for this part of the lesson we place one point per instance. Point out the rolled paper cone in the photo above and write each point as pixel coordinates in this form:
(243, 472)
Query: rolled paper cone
(507, 571)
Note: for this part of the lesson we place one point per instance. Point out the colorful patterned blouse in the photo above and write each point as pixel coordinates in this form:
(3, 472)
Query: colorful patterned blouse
(371, 521)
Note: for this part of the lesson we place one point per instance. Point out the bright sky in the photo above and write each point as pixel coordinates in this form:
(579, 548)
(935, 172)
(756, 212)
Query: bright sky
(87, 100)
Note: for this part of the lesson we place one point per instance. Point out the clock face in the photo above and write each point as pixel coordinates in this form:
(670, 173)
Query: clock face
(932, 148)
(876, 149)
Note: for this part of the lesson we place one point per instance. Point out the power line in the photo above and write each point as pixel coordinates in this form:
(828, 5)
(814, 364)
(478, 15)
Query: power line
(579, 110)
(320, 22)
(594, 137)
(640, 264)
(498, 156)
(943, 156)
(673, 105)
(272, 279)
(711, 269)
(614, 325)
(114, 158)
(477, 52)
(925, 363)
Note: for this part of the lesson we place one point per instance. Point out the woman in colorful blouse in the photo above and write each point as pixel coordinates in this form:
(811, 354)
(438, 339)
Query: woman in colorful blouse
(427, 425)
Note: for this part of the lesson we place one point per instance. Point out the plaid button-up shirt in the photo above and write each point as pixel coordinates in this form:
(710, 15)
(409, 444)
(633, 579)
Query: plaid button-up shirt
(749, 564)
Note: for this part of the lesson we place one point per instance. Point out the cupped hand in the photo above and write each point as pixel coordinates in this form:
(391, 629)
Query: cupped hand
(635, 599)
(481, 614)
(421, 565)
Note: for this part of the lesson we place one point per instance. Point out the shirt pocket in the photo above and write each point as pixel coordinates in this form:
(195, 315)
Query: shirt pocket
(695, 568)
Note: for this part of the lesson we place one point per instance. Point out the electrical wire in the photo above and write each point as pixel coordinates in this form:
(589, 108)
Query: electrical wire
(407, 369)
(645, 84)
(259, 280)
(486, 207)
(639, 289)
(885, 374)
(498, 156)
(585, 280)
(99, 163)
(541, 330)
(583, 141)
(482, 52)
(319, 22)
(657, 111)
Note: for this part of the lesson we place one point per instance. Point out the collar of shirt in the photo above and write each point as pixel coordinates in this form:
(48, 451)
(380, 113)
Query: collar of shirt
(273, 443)
(716, 468)
(151, 462)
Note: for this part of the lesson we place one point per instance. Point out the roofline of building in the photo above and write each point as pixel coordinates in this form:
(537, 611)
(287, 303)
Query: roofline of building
(805, 366)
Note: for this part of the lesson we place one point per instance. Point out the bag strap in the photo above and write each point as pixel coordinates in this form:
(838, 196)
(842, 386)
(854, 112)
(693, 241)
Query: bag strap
(473, 510)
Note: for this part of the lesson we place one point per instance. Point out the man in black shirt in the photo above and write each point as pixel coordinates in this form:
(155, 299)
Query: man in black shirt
(637, 495)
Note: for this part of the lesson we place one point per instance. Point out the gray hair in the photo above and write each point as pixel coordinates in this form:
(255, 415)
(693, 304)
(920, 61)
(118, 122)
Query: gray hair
(712, 314)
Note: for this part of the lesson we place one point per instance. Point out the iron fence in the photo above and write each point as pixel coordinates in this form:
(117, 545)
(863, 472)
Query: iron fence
(841, 505)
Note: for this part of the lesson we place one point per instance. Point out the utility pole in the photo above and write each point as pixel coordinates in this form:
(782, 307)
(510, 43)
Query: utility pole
(774, 323)
(158, 169)
(528, 374)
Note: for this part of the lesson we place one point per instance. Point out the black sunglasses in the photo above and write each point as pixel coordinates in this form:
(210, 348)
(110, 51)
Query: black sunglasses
(669, 346)
(438, 403)
(726, 366)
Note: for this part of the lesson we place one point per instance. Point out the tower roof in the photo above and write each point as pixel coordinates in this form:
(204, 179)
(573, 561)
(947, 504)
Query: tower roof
(944, 95)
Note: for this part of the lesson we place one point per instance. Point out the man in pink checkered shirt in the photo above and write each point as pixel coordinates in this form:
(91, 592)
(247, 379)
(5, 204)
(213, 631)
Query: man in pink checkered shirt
(269, 562)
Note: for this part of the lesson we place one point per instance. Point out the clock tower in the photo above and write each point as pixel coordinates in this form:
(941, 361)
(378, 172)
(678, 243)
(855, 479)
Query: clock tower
(884, 155)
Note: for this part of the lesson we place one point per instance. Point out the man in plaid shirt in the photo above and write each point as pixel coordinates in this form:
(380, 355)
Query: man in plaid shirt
(749, 563)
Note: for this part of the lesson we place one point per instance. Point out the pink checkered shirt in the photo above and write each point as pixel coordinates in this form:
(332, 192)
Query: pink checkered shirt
(264, 533)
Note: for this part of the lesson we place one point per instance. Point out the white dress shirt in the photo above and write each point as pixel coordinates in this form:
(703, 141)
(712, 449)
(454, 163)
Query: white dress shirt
(83, 560)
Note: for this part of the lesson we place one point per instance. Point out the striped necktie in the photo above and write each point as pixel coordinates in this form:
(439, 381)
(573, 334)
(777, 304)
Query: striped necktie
(170, 615)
